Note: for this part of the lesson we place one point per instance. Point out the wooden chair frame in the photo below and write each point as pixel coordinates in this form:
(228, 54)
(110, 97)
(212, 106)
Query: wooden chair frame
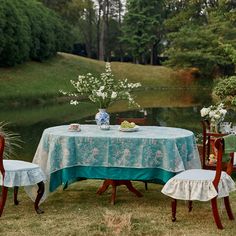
(5, 189)
(219, 144)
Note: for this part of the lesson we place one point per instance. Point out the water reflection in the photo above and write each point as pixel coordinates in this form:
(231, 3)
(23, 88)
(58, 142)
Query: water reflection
(173, 108)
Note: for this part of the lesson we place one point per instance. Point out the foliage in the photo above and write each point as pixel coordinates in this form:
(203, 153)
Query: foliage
(29, 31)
(15, 37)
(92, 22)
(12, 141)
(186, 33)
(197, 30)
(196, 47)
(225, 90)
(142, 27)
(103, 90)
(230, 51)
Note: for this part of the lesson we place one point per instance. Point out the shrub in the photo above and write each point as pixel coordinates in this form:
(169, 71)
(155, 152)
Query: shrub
(15, 34)
(29, 30)
(225, 89)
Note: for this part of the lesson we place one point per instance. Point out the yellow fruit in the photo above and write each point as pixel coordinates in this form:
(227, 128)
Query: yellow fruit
(126, 124)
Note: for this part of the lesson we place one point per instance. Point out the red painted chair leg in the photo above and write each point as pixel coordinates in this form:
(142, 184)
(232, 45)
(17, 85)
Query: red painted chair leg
(216, 213)
(228, 208)
(190, 206)
(16, 202)
(173, 207)
(3, 199)
(38, 198)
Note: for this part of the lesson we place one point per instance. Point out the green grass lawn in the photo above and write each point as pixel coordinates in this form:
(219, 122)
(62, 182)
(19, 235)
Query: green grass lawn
(79, 211)
(38, 81)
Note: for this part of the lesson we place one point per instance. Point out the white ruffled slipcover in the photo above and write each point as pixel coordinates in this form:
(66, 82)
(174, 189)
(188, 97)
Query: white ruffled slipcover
(196, 184)
(21, 173)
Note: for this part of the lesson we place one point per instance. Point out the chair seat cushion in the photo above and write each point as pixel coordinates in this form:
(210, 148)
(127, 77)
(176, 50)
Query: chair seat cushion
(21, 173)
(196, 184)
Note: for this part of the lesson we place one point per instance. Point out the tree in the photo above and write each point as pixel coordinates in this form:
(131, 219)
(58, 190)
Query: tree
(81, 14)
(196, 38)
(142, 30)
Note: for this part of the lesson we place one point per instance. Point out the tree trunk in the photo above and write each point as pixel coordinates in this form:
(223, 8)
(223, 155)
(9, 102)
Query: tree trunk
(119, 21)
(101, 42)
(106, 33)
(98, 26)
(90, 25)
(153, 55)
(102, 33)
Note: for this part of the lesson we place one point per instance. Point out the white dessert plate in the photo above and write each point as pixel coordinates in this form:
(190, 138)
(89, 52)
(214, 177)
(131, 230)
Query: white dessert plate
(136, 128)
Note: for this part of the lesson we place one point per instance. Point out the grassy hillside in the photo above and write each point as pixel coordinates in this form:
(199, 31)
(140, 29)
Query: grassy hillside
(36, 81)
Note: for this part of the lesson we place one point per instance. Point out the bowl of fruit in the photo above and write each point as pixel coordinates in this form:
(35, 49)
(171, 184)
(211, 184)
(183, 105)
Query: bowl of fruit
(127, 126)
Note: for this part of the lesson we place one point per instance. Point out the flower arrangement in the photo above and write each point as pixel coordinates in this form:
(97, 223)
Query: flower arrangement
(214, 113)
(102, 90)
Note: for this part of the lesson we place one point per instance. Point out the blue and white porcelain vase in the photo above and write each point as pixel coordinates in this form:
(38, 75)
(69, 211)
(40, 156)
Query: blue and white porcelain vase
(102, 117)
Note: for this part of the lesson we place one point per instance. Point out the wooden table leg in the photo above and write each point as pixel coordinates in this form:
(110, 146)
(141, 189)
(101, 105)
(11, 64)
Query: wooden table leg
(104, 186)
(115, 183)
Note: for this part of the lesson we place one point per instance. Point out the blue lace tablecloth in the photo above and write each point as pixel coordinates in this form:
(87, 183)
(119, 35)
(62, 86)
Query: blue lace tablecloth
(151, 153)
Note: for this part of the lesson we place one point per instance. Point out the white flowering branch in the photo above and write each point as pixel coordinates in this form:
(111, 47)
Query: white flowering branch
(103, 90)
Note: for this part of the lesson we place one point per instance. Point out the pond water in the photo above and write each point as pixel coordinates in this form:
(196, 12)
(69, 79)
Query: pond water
(169, 107)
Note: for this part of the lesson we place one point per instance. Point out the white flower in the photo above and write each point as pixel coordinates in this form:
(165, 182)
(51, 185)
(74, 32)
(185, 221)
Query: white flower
(223, 111)
(212, 113)
(216, 117)
(73, 102)
(113, 95)
(204, 111)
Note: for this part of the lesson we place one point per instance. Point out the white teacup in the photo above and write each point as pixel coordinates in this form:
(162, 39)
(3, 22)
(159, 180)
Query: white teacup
(74, 127)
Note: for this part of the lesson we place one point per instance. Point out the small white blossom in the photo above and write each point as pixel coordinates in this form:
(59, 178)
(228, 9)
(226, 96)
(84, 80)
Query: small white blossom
(113, 95)
(73, 102)
(204, 111)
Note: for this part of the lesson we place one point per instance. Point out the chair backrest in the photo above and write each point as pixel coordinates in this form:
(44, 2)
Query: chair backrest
(137, 121)
(220, 146)
(2, 145)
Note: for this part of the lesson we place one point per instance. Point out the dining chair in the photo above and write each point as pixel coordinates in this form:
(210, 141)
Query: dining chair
(206, 185)
(15, 173)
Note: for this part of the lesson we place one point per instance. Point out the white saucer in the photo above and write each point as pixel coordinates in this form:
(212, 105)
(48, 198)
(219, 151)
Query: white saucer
(74, 130)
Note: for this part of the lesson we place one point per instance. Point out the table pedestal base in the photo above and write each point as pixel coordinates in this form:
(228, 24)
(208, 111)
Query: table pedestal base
(115, 183)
